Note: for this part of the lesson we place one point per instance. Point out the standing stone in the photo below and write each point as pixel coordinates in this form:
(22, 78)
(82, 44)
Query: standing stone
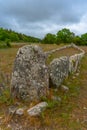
(30, 78)
(59, 69)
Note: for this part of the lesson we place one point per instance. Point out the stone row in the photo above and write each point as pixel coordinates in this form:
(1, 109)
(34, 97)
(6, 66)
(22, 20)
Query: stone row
(31, 76)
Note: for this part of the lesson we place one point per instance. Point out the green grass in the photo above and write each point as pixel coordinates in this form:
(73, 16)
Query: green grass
(65, 115)
(6, 98)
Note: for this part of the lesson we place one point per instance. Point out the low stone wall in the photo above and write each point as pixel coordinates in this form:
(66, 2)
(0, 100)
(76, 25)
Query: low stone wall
(64, 47)
(60, 68)
(74, 62)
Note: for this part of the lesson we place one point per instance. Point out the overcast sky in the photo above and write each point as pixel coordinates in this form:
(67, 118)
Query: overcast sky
(39, 17)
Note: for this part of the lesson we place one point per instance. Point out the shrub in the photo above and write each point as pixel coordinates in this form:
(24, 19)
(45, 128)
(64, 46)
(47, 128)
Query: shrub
(8, 44)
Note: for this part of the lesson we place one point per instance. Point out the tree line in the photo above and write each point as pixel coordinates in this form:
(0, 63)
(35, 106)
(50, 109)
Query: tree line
(16, 37)
(8, 36)
(65, 36)
(62, 36)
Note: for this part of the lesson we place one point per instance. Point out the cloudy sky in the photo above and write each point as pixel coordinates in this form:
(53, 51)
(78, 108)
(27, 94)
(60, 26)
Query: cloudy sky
(39, 17)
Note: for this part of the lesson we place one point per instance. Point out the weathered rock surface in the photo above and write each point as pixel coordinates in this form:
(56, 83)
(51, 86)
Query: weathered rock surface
(30, 78)
(20, 111)
(74, 62)
(36, 110)
(59, 69)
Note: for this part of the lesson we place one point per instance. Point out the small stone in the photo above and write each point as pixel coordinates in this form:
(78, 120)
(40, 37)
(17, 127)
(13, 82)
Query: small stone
(1, 117)
(36, 110)
(64, 88)
(77, 74)
(84, 121)
(56, 98)
(12, 109)
(20, 111)
(9, 126)
(77, 120)
(85, 108)
(73, 77)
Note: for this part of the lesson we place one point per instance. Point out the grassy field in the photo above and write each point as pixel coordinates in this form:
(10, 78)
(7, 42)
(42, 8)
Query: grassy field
(8, 55)
(69, 114)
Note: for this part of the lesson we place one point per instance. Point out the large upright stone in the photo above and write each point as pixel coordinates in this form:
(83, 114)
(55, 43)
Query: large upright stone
(30, 78)
(59, 69)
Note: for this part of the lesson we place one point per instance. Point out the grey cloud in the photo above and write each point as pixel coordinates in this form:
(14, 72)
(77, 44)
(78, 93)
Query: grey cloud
(37, 10)
(36, 17)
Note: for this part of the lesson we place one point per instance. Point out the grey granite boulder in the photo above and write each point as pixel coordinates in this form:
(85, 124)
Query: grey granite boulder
(30, 78)
(36, 110)
(59, 69)
(20, 111)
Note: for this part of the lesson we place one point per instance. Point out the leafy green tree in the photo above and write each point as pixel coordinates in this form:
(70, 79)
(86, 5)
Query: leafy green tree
(49, 38)
(64, 36)
(8, 44)
(77, 40)
(16, 37)
(84, 39)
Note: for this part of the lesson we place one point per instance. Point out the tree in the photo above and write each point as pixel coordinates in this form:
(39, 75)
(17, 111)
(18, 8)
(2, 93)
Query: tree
(16, 37)
(84, 39)
(64, 36)
(8, 44)
(49, 38)
(77, 40)
(3, 35)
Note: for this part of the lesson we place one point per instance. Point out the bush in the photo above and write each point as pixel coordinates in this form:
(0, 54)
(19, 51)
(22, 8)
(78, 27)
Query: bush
(5, 44)
(8, 44)
(2, 45)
